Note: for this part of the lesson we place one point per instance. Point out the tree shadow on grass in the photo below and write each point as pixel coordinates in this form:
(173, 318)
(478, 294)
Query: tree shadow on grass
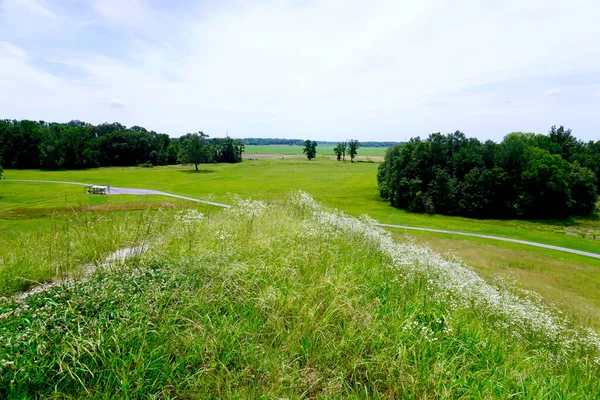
(200, 171)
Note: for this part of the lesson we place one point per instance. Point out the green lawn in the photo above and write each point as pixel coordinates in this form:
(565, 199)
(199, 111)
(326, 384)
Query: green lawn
(24, 197)
(570, 281)
(351, 187)
(322, 150)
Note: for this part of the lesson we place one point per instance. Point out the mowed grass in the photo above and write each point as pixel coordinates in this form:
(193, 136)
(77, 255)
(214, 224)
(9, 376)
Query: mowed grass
(26, 206)
(322, 150)
(351, 187)
(24, 199)
(283, 301)
(569, 282)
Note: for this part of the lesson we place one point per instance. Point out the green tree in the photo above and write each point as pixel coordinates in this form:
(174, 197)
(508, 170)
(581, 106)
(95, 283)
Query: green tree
(195, 149)
(340, 151)
(173, 152)
(310, 149)
(545, 184)
(228, 150)
(527, 175)
(584, 196)
(352, 149)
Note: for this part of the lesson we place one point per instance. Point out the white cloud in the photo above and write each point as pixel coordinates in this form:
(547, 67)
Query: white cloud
(36, 7)
(329, 70)
(553, 92)
(116, 103)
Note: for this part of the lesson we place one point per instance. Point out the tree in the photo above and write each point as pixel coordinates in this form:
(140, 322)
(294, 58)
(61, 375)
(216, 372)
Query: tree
(340, 151)
(195, 149)
(172, 152)
(527, 175)
(310, 149)
(228, 150)
(1, 171)
(352, 148)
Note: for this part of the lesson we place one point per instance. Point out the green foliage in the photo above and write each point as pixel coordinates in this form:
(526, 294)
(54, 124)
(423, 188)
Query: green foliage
(76, 144)
(352, 149)
(340, 151)
(527, 175)
(195, 149)
(271, 301)
(228, 150)
(173, 152)
(310, 149)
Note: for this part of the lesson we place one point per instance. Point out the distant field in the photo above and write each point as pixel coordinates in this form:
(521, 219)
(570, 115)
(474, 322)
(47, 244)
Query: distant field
(322, 150)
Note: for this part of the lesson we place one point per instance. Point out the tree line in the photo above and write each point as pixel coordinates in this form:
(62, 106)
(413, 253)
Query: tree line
(77, 144)
(527, 175)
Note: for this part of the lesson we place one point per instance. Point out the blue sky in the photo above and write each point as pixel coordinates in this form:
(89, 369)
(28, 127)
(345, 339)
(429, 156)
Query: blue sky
(328, 70)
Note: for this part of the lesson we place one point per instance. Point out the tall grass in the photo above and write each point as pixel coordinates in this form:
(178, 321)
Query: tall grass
(289, 301)
(72, 241)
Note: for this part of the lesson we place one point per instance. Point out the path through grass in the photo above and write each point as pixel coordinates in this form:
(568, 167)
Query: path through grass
(287, 301)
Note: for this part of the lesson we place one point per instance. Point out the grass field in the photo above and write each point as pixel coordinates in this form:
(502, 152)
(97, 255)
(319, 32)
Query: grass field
(569, 281)
(349, 187)
(279, 301)
(322, 150)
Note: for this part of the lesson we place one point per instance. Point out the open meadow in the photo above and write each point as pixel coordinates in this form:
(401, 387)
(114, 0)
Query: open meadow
(286, 299)
(299, 200)
(322, 150)
(566, 280)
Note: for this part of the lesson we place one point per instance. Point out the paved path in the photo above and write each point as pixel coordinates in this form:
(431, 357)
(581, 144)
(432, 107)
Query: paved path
(546, 246)
(114, 190)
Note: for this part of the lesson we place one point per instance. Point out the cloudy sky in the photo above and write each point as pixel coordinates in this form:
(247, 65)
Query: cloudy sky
(329, 70)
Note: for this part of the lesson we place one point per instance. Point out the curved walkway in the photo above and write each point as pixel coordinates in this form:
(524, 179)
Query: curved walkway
(115, 190)
(546, 246)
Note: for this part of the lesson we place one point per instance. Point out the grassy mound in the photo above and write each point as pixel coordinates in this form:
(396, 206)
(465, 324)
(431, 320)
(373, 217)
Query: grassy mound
(287, 301)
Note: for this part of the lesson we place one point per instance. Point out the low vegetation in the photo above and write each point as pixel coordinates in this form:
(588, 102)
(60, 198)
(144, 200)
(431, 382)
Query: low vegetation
(286, 300)
(525, 176)
(568, 282)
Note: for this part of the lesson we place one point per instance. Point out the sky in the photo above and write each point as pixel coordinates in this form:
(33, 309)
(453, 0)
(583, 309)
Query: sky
(324, 70)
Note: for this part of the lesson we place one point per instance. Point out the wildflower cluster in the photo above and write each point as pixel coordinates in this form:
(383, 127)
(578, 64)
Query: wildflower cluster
(247, 208)
(457, 283)
(189, 216)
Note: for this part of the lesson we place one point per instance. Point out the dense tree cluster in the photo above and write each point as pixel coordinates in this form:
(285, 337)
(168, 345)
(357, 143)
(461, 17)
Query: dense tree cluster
(195, 148)
(526, 175)
(76, 144)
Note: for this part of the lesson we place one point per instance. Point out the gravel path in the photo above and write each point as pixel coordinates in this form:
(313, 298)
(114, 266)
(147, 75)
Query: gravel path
(115, 190)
